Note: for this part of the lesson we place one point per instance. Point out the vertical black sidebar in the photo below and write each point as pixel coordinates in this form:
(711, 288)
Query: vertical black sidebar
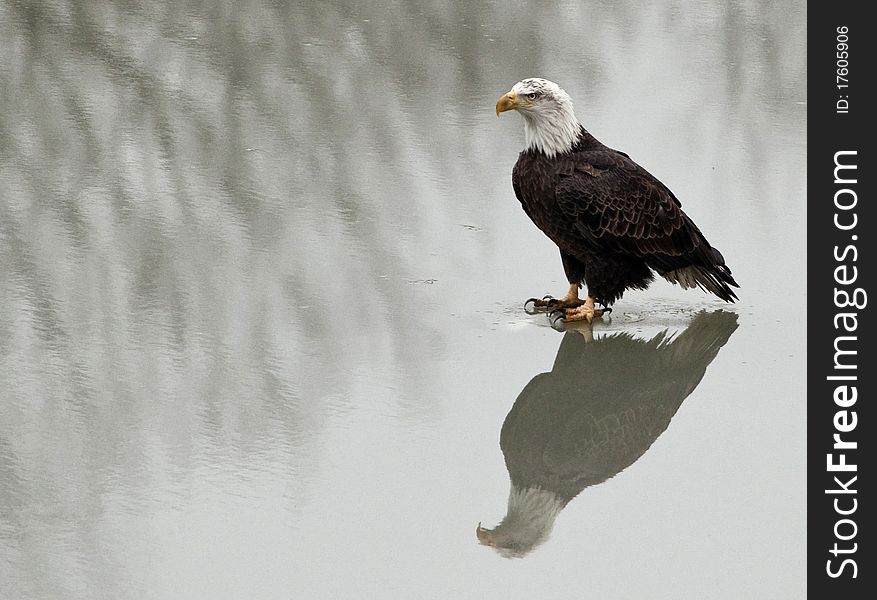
(841, 364)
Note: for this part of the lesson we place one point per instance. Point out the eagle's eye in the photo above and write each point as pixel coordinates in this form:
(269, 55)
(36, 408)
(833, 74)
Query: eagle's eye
(532, 95)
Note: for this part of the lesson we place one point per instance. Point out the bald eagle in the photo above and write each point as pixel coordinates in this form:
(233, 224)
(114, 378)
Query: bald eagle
(613, 221)
(572, 428)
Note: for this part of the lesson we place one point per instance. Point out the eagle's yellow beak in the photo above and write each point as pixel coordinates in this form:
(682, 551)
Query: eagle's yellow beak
(508, 101)
(483, 534)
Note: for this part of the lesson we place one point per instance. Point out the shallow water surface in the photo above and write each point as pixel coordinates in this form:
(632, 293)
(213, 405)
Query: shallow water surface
(262, 277)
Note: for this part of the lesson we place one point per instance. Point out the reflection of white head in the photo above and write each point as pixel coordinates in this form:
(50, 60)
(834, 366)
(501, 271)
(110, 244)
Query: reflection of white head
(550, 123)
(528, 522)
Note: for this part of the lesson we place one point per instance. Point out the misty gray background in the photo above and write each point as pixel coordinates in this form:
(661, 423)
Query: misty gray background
(261, 278)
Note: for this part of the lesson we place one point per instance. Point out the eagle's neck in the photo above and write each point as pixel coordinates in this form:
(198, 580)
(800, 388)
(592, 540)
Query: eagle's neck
(533, 508)
(553, 130)
(528, 521)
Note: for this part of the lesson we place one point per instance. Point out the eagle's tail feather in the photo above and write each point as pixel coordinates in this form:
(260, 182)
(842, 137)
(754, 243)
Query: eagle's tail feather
(716, 279)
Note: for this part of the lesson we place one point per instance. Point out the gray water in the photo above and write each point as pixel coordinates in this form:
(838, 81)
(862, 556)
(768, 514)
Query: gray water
(261, 285)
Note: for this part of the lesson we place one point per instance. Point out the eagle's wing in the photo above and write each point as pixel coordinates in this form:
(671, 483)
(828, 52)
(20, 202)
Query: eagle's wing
(516, 186)
(616, 205)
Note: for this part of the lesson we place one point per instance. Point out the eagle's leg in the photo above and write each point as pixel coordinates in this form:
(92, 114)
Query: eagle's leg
(585, 312)
(571, 300)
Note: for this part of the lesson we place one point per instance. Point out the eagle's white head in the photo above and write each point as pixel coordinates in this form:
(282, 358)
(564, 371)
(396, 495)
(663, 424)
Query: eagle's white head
(550, 124)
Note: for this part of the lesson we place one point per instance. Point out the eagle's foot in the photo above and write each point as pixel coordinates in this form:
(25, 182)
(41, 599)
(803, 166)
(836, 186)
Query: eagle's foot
(585, 311)
(549, 303)
(581, 313)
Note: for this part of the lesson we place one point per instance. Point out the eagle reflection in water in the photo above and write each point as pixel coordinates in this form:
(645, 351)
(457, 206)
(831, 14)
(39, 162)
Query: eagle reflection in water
(604, 403)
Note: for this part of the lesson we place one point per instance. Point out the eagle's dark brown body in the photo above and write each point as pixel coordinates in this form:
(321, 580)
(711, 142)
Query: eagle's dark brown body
(614, 222)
